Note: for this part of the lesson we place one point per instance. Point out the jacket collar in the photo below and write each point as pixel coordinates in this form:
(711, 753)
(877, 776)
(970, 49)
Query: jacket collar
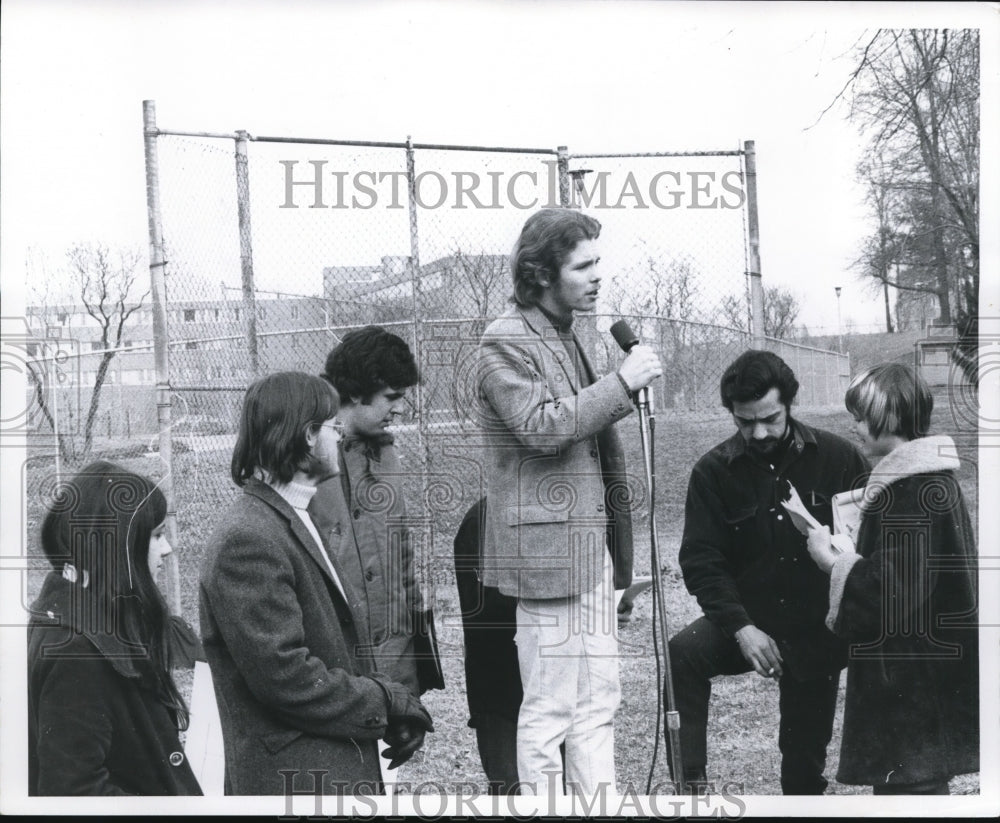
(925, 454)
(261, 490)
(802, 436)
(62, 604)
(541, 324)
(370, 447)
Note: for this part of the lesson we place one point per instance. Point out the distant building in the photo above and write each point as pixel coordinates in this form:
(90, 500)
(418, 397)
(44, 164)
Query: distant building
(455, 286)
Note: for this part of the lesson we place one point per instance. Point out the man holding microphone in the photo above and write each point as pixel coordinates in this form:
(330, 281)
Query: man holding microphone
(558, 535)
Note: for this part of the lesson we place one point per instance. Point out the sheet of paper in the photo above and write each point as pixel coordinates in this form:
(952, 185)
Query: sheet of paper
(203, 741)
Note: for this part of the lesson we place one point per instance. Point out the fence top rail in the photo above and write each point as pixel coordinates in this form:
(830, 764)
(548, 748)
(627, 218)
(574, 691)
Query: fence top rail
(324, 141)
(719, 153)
(391, 144)
(388, 144)
(803, 346)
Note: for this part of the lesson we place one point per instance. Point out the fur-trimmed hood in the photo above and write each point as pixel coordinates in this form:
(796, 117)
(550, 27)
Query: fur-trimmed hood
(925, 454)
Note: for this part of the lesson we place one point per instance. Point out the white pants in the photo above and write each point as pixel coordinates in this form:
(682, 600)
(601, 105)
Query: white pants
(567, 649)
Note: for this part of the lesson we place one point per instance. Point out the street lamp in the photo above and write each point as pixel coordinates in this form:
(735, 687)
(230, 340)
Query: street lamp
(840, 335)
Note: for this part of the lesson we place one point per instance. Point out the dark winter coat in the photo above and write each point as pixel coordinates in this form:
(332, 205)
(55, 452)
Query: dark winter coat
(745, 561)
(282, 644)
(907, 603)
(93, 729)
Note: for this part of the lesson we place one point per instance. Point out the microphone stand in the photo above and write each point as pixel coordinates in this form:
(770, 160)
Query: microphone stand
(647, 428)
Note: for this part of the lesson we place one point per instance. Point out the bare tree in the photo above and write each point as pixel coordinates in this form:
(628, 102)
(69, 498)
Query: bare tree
(42, 366)
(483, 280)
(884, 247)
(916, 94)
(664, 298)
(104, 282)
(781, 309)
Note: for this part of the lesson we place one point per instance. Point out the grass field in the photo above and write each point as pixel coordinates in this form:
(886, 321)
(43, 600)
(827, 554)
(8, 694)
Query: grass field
(743, 721)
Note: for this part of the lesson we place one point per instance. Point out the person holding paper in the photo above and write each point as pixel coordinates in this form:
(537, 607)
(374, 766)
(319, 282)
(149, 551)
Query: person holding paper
(742, 557)
(906, 599)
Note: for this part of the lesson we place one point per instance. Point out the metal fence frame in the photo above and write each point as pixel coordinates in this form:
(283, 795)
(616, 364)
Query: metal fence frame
(566, 181)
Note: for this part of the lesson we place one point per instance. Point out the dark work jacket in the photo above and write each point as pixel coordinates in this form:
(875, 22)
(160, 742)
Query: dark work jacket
(745, 561)
(907, 603)
(361, 516)
(93, 729)
(489, 622)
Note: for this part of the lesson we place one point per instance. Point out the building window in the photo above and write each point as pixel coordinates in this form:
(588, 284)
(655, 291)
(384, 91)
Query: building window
(260, 312)
(236, 314)
(63, 318)
(216, 314)
(188, 315)
(295, 312)
(32, 349)
(191, 345)
(96, 345)
(294, 341)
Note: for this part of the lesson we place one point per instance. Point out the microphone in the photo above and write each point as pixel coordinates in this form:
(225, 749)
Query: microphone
(622, 332)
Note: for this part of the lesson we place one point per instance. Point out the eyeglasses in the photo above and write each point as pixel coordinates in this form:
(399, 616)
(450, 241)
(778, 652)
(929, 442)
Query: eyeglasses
(336, 425)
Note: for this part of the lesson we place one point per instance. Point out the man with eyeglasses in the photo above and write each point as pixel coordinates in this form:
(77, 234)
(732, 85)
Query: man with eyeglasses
(302, 711)
(361, 513)
(764, 603)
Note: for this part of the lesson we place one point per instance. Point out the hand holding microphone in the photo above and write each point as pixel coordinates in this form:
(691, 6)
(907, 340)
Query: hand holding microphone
(642, 365)
(640, 368)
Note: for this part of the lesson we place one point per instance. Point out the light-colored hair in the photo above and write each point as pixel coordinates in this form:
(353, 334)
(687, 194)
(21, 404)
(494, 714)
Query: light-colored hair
(891, 398)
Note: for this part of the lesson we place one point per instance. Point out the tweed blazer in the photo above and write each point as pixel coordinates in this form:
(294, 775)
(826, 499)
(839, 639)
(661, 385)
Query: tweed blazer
(557, 489)
(281, 641)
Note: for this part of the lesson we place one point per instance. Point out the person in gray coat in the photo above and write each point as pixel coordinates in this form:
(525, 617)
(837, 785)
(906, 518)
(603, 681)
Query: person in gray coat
(296, 701)
(558, 520)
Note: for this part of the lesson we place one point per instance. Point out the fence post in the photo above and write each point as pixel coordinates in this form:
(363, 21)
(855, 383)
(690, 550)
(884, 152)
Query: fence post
(157, 277)
(562, 164)
(246, 249)
(411, 180)
(753, 232)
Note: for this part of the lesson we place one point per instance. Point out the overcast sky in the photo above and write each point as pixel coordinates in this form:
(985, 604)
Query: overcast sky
(598, 77)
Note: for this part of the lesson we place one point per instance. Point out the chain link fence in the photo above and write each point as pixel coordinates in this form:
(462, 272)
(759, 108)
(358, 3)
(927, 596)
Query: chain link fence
(272, 248)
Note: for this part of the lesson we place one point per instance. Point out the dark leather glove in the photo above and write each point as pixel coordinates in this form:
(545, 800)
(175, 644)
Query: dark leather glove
(404, 741)
(403, 706)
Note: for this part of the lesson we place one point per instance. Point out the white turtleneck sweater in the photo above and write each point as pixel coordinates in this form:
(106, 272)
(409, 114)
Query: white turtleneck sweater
(298, 496)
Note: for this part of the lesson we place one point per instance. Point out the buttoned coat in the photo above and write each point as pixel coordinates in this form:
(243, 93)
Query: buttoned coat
(93, 727)
(281, 641)
(362, 517)
(743, 558)
(557, 489)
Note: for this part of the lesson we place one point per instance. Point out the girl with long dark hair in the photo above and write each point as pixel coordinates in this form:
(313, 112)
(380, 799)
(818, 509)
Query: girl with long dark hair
(103, 709)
